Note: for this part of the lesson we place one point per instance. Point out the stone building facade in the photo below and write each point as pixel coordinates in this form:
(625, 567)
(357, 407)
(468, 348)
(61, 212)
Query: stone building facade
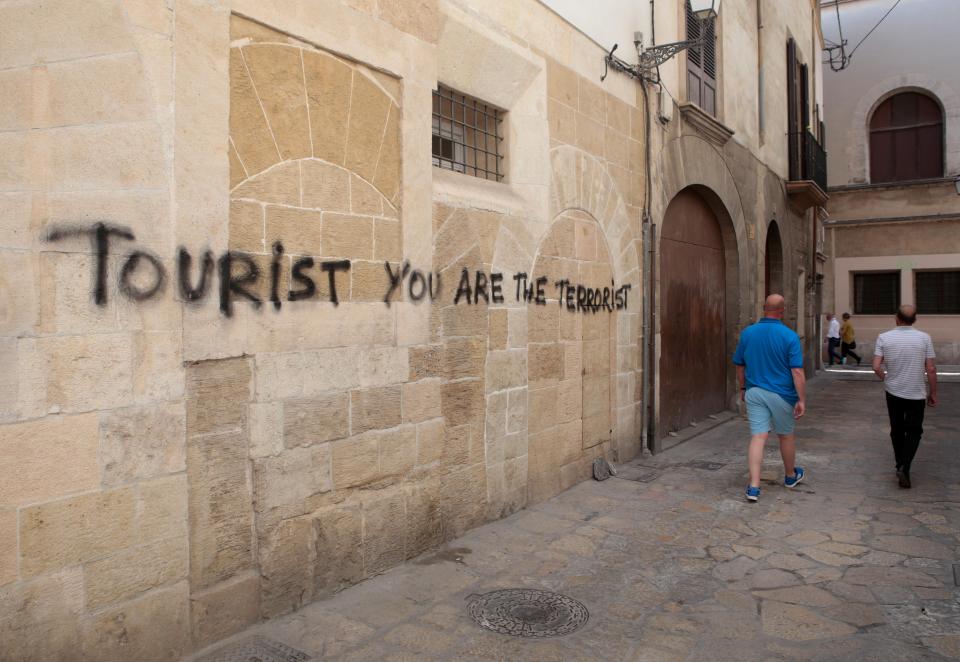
(257, 348)
(895, 234)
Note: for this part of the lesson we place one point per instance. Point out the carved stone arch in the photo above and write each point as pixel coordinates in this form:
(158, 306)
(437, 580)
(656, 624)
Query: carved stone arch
(857, 142)
(692, 166)
(581, 363)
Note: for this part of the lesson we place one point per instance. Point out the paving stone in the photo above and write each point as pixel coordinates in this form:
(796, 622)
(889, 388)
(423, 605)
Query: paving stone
(773, 578)
(829, 558)
(946, 645)
(875, 557)
(735, 569)
(850, 593)
(811, 596)
(844, 549)
(790, 562)
(755, 553)
(798, 623)
(807, 538)
(871, 576)
(912, 546)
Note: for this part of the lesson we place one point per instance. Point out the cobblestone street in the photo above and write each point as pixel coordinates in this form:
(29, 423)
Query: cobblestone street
(674, 564)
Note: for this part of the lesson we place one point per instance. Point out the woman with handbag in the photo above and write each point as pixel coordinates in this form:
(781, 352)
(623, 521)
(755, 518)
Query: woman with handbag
(848, 340)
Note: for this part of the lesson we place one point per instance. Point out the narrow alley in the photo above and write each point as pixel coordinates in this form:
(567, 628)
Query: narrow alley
(673, 564)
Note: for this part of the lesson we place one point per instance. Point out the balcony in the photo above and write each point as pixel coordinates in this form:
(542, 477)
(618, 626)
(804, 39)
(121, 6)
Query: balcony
(807, 186)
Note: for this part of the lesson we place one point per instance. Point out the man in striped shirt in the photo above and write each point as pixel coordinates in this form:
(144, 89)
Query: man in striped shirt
(901, 357)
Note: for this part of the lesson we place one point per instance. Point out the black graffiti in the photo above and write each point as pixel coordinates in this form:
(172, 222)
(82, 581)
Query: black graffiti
(231, 283)
(419, 286)
(184, 260)
(531, 292)
(130, 266)
(142, 276)
(99, 234)
(309, 287)
(332, 268)
(590, 299)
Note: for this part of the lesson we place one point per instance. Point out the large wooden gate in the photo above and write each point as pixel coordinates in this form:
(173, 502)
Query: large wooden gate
(693, 361)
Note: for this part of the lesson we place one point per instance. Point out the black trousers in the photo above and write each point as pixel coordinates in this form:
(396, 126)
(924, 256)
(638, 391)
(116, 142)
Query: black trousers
(832, 344)
(906, 427)
(846, 350)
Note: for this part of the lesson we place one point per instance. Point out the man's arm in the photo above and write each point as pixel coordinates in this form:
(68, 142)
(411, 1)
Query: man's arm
(878, 367)
(931, 368)
(799, 383)
(742, 380)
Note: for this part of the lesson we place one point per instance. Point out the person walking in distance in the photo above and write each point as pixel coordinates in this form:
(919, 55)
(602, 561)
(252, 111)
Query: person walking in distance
(848, 340)
(833, 339)
(900, 359)
(769, 364)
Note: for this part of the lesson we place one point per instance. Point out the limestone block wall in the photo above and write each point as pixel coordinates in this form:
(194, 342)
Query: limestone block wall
(238, 376)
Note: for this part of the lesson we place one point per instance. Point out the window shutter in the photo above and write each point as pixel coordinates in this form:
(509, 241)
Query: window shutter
(701, 64)
(906, 139)
(793, 120)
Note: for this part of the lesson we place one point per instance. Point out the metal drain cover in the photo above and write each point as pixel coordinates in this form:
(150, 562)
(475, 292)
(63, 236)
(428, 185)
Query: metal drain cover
(257, 649)
(528, 612)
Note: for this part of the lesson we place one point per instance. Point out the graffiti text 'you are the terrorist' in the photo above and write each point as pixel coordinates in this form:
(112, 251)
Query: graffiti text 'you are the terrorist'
(143, 276)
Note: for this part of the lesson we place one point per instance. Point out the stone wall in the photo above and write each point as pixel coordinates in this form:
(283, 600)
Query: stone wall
(239, 377)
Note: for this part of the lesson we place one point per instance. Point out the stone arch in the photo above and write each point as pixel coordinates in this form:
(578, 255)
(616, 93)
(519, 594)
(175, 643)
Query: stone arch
(857, 143)
(314, 156)
(691, 163)
(580, 409)
(773, 260)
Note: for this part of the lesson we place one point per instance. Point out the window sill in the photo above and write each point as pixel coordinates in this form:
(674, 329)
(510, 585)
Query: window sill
(482, 193)
(711, 128)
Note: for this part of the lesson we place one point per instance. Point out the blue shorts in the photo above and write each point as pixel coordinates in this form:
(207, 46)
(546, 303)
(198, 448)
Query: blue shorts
(768, 411)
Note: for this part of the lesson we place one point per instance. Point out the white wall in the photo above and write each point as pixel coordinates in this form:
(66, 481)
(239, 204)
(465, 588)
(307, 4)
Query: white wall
(607, 22)
(915, 46)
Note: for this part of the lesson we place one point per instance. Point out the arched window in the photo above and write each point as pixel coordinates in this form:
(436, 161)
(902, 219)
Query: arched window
(906, 139)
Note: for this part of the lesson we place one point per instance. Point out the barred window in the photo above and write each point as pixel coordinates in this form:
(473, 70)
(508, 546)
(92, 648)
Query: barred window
(937, 292)
(876, 293)
(467, 135)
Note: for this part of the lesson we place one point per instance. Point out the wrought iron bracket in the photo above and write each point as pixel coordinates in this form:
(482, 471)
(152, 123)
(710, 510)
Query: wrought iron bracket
(650, 58)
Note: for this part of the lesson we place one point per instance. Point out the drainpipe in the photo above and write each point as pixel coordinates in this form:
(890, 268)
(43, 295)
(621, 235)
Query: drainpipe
(648, 237)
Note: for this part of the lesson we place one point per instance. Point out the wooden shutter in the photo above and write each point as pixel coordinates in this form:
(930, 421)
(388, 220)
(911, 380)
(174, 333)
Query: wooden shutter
(702, 64)
(793, 115)
(906, 139)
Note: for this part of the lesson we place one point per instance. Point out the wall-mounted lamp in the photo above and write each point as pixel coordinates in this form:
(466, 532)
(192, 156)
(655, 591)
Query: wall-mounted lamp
(648, 59)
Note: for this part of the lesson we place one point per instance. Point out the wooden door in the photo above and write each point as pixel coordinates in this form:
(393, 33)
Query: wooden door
(693, 361)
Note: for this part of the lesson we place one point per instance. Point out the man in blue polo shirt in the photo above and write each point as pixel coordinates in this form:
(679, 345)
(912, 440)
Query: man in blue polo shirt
(770, 374)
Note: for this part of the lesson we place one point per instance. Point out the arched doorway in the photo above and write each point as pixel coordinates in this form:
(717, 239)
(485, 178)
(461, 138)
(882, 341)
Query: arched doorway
(773, 261)
(693, 307)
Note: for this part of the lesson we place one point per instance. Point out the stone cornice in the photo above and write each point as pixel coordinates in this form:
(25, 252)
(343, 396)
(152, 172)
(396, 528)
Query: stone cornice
(711, 128)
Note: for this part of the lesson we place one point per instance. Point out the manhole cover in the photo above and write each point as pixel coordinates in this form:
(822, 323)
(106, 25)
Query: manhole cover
(257, 649)
(527, 612)
(706, 466)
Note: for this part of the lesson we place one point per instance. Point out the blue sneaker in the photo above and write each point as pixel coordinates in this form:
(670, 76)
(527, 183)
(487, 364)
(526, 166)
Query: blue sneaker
(791, 481)
(753, 493)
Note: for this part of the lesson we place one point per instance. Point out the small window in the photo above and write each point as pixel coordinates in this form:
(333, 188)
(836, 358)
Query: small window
(467, 135)
(876, 293)
(702, 63)
(937, 292)
(906, 139)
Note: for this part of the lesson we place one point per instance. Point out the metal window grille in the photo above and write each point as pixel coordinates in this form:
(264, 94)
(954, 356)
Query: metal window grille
(876, 293)
(937, 292)
(467, 135)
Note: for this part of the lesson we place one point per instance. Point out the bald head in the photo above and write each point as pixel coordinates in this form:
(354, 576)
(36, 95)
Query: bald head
(774, 306)
(906, 314)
